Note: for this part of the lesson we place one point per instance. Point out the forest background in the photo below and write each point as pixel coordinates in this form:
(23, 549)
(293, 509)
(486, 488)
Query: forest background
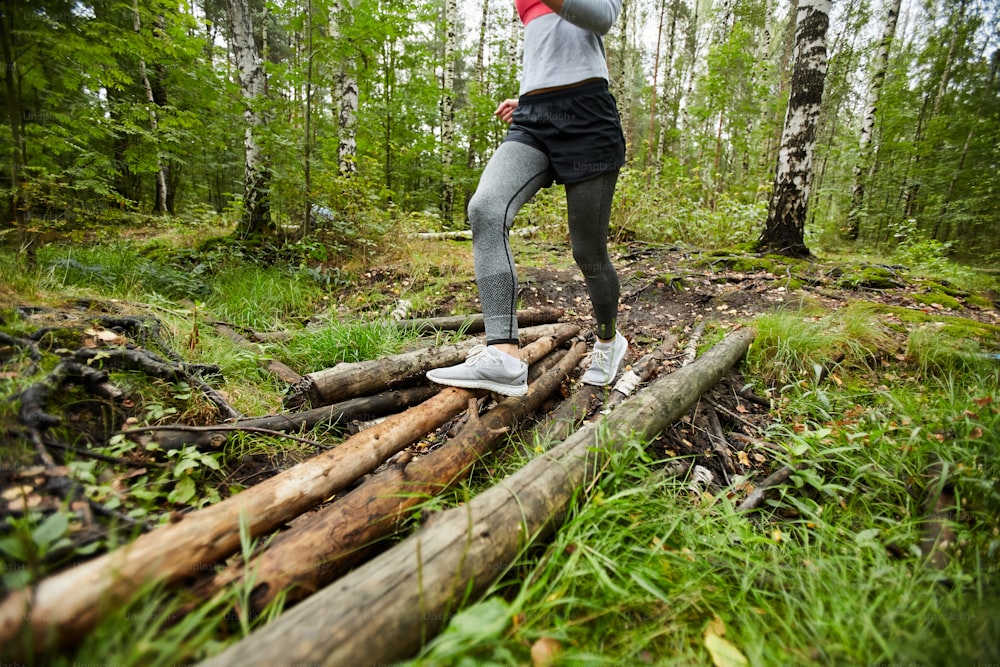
(361, 112)
(288, 151)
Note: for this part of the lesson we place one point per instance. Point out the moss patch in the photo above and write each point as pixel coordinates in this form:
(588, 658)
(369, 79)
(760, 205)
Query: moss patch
(869, 277)
(935, 297)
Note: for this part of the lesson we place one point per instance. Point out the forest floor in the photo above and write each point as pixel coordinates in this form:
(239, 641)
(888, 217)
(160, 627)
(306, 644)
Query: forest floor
(667, 292)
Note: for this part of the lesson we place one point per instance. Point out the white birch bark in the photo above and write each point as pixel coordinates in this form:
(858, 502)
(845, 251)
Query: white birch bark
(253, 82)
(785, 229)
(448, 109)
(868, 122)
(345, 94)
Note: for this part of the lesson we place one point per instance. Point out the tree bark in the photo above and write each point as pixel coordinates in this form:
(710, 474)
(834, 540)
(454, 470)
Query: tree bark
(366, 377)
(856, 211)
(448, 110)
(15, 119)
(256, 218)
(654, 90)
(784, 232)
(318, 550)
(346, 95)
(408, 592)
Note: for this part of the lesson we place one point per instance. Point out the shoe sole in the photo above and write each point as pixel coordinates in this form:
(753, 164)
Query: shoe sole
(505, 389)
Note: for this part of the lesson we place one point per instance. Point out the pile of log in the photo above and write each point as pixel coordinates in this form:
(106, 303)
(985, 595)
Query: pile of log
(344, 507)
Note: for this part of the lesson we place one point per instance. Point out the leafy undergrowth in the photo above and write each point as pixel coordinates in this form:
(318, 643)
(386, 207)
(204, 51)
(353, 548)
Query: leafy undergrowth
(883, 393)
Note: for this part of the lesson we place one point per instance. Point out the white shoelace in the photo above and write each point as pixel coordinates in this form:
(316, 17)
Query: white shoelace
(600, 357)
(478, 355)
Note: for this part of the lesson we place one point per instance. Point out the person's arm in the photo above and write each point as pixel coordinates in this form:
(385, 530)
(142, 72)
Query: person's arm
(596, 16)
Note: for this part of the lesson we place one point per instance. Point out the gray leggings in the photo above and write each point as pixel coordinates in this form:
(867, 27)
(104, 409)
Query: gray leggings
(511, 178)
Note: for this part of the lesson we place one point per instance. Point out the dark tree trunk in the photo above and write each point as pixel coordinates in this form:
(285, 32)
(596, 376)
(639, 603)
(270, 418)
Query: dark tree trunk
(784, 232)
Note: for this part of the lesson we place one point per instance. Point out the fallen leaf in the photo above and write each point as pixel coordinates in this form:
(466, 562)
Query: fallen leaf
(744, 459)
(545, 652)
(716, 626)
(976, 432)
(724, 653)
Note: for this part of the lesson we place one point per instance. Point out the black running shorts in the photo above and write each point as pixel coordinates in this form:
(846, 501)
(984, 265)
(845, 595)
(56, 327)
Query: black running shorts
(578, 128)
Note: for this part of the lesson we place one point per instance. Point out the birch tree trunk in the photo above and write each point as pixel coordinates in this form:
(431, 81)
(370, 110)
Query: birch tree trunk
(626, 70)
(856, 210)
(784, 67)
(346, 97)
(307, 139)
(473, 142)
(784, 232)
(670, 82)
(161, 176)
(653, 94)
(696, 49)
(253, 81)
(448, 110)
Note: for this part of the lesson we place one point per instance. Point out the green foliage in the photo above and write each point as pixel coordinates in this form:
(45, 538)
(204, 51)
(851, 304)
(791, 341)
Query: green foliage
(797, 347)
(651, 211)
(30, 541)
(262, 299)
(345, 341)
(918, 251)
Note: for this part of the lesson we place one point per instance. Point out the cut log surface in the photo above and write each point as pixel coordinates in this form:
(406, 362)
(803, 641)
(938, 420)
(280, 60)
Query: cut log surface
(344, 381)
(61, 608)
(382, 611)
(322, 547)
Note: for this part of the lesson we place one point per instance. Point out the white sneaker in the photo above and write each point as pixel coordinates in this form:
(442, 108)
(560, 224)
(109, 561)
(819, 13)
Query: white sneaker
(486, 368)
(604, 361)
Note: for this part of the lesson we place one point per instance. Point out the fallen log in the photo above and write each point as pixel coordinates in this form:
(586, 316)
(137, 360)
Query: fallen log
(756, 497)
(145, 361)
(319, 549)
(367, 377)
(572, 412)
(408, 592)
(361, 408)
(61, 608)
(467, 233)
(473, 324)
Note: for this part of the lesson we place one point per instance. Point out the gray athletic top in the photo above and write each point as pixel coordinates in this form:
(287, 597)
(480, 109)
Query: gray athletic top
(565, 48)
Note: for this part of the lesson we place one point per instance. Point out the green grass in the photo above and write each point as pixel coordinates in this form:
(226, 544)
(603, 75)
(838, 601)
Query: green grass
(646, 572)
(345, 341)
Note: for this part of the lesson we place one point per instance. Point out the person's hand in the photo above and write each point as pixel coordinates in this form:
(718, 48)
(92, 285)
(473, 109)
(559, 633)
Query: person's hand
(505, 111)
